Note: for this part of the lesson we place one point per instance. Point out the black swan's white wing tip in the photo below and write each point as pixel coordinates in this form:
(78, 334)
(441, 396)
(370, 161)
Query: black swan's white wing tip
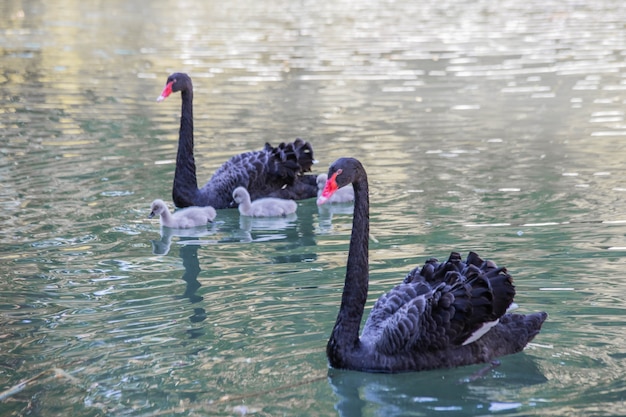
(513, 306)
(487, 326)
(480, 332)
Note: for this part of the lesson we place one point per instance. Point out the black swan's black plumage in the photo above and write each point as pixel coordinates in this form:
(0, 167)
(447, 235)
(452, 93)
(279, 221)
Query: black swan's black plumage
(271, 171)
(432, 319)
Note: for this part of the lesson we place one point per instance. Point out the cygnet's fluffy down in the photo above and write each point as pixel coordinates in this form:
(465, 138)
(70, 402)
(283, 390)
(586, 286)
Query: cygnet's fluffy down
(183, 218)
(342, 195)
(263, 207)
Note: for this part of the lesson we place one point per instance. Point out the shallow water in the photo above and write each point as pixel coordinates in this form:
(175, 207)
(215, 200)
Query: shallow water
(492, 126)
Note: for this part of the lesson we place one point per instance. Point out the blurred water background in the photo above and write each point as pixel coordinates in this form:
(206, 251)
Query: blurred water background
(494, 126)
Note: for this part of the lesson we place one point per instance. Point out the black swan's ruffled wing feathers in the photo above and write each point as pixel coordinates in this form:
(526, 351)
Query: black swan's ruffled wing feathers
(291, 159)
(271, 171)
(398, 319)
(440, 305)
(290, 162)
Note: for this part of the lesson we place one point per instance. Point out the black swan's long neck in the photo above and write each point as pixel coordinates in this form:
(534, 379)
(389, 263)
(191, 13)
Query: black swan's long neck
(185, 181)
(346, 331)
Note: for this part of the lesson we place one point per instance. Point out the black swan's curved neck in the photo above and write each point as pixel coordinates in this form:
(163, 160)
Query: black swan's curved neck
(185, 181)
(346, 331)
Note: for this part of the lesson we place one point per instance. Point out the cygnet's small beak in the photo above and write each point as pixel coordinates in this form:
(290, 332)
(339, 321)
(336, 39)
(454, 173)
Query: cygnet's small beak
(151, 215)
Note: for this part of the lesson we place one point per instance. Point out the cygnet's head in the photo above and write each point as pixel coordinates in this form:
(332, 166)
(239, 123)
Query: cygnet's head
(240, 194)
(158, 206)
(321, 181)
(210, 213)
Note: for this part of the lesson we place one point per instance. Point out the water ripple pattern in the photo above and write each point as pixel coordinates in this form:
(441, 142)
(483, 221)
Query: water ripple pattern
(488, 126)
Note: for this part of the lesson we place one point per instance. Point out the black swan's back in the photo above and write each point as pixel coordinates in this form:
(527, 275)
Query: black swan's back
(270, 172)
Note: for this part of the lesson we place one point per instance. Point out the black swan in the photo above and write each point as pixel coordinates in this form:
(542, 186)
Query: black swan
(342, 195)
(183, 218)
(271, 171)
(443, 315)
(263, 207)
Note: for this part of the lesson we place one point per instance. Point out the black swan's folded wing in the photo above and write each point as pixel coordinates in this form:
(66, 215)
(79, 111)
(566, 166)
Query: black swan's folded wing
(440, 306)
(269, 172)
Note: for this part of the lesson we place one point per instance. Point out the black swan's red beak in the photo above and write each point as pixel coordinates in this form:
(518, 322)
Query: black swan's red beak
(329, 189)
(166, 91)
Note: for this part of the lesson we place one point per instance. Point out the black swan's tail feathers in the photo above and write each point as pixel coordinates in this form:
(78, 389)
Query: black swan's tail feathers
(533, 323)
(514, 332)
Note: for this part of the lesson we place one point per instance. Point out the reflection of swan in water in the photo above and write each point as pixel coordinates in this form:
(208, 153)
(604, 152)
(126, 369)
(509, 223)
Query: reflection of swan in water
(162, 246)
(250, 226)
(327, 211)
(189, 255)
(476, 390)
(292, 234)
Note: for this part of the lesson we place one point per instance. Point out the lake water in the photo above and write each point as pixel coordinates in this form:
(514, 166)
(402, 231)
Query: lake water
(494, 126)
